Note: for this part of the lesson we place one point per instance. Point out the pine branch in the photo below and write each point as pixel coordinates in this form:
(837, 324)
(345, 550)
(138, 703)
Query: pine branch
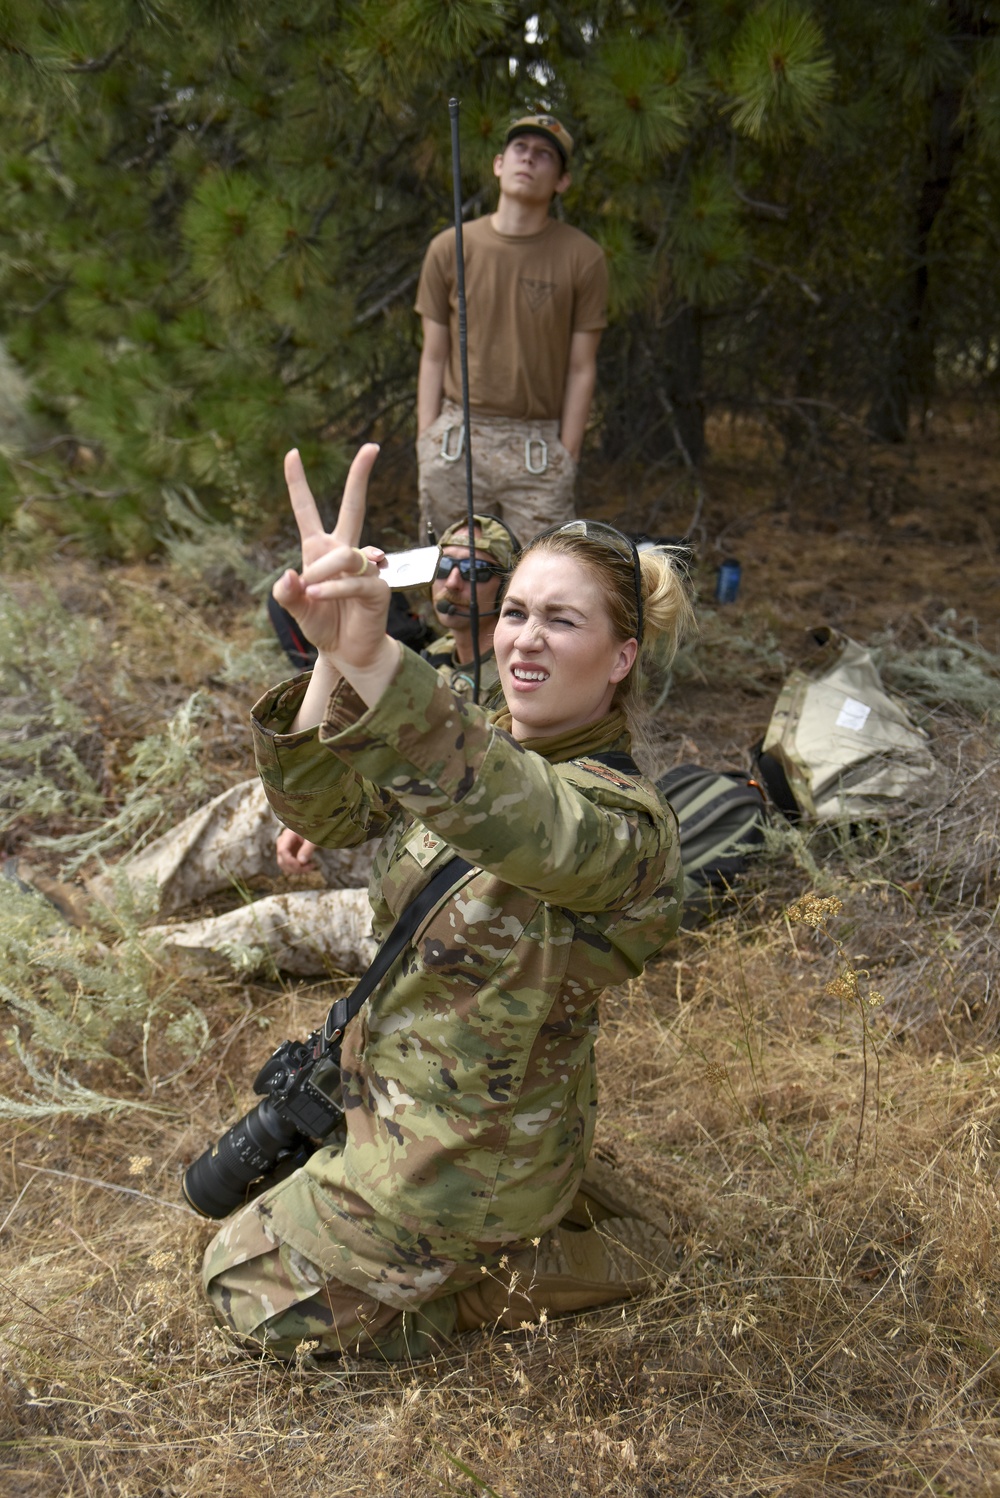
(70, 485)
(50, 296)
(763, 210)
(91, 65)
(784, 270)
(98, 64)
(386, 301)
(799, 401)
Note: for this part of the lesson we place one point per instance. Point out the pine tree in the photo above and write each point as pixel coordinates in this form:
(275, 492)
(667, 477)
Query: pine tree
(213, 213)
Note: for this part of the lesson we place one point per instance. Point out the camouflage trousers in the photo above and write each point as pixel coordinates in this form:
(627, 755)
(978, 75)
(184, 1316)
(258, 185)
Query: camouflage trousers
(221, 845)
(402, 1295)
(520, 471)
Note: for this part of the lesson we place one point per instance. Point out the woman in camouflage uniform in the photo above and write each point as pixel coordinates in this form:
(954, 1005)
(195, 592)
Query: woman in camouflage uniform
(469, 1086)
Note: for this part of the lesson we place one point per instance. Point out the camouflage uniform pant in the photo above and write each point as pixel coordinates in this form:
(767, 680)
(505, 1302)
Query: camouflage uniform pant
(232, 839)
(520, 471)
(270, 1291)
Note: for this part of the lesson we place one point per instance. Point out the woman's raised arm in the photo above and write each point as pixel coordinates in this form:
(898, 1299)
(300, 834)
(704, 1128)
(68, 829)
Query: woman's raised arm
(338, 598)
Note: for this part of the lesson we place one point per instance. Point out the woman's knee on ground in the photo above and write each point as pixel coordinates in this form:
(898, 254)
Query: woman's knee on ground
(269, 1293)
(281, 1300)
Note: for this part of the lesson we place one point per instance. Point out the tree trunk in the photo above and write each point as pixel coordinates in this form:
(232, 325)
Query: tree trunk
(908, 370)
(651, 378)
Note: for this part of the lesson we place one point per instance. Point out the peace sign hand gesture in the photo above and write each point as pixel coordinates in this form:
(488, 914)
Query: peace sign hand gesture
(338, 597)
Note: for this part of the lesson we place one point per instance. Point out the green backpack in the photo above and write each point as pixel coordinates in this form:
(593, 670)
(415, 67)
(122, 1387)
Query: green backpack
(721, 816)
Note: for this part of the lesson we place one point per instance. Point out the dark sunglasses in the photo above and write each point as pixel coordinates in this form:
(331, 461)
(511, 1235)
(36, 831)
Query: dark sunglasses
(466, 566)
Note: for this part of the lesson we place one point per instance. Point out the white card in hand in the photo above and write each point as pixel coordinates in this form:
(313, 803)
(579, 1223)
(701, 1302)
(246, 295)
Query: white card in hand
(409, 569)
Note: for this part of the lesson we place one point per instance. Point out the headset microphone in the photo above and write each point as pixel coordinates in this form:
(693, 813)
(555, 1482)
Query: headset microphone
(446, 608)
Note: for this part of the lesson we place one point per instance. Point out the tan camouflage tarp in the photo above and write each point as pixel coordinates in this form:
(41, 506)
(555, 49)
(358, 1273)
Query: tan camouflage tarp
(847, 748)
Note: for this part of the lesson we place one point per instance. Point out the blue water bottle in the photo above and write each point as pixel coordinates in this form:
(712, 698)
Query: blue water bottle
(727, 582)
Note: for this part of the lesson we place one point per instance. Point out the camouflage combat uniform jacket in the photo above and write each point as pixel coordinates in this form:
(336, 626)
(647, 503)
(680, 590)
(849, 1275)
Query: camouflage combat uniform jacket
(469, 1083)
(441, 654)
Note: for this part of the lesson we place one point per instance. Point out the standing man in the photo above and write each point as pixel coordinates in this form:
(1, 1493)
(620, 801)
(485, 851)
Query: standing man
(536, 296)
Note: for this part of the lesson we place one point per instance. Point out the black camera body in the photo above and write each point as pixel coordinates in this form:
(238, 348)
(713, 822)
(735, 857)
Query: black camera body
(301, 1087)
(302, 1081)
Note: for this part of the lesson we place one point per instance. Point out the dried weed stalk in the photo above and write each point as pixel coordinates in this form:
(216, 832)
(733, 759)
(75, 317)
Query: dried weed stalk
(850, 986)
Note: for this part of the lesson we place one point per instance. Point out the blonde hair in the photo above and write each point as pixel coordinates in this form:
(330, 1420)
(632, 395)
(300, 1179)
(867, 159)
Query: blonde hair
(667, 614)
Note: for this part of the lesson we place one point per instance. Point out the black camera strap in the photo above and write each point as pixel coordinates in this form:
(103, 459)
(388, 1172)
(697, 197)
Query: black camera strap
(344, 1010)
(448, 875)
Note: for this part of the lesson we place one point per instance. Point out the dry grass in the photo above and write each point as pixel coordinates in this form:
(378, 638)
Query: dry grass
(827, 1326)
(832, 1325)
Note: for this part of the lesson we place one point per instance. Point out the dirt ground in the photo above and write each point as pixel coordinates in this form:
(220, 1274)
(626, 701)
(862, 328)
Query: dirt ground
(879, 539)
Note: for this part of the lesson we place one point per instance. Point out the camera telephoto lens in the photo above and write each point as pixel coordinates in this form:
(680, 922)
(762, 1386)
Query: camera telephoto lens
(219, 1180)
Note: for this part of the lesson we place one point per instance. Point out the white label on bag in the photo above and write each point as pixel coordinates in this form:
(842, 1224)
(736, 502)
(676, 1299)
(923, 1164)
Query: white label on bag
(853, 714)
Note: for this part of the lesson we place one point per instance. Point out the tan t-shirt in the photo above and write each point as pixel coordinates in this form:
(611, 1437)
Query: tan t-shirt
(525, 295)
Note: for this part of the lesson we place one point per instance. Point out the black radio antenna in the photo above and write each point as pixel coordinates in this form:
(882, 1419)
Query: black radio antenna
(463, 355)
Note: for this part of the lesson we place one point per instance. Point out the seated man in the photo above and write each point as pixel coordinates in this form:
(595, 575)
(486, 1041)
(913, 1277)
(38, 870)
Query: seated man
(235, 836)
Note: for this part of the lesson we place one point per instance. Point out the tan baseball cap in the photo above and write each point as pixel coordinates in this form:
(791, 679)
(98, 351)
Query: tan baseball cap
(547, 125)
(495, 540)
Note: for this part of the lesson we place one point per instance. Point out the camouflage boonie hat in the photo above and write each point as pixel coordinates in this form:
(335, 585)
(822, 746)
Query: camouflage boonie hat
(547, 125)
(496, 540)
